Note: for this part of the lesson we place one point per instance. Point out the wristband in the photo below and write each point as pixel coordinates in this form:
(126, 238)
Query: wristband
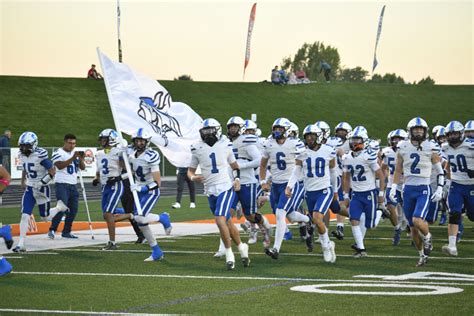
(263, 182)
(381, 194)
(346, 196)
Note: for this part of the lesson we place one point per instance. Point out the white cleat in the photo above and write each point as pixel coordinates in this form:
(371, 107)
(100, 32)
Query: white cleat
(150, 258)
(219, 254)
(253, 237)
(327, 255)
(452, 251)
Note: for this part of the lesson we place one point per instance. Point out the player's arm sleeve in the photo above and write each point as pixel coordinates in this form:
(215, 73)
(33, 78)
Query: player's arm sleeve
(230, 155)
(255, 157)
(194, 160)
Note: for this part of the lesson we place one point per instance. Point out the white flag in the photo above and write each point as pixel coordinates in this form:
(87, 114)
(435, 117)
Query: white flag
(379, 31)
(138, 101)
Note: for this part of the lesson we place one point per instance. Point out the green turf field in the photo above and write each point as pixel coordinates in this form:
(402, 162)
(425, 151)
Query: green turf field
(190, 281)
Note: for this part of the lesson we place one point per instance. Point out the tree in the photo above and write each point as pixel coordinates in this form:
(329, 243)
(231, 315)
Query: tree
(309, 58)
(184, 77)
(357, 74)
(387, 78)
(428, 81)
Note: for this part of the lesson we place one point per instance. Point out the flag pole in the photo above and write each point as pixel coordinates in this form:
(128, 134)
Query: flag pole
(119, 131)
(118, 33)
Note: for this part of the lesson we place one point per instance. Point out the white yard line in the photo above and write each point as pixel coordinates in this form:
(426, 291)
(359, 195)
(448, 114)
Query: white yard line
(207, 277)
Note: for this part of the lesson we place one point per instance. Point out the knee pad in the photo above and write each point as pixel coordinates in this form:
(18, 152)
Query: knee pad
(335, 207)
(454, 218)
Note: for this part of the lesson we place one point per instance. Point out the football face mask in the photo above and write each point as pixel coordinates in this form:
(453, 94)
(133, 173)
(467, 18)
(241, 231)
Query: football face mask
(26, 149)
(357, 144)
(209, 135)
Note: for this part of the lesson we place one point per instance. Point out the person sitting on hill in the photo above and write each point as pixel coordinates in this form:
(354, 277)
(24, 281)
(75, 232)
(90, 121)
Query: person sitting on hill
(301, 76)
(93, 74)
(276, 76)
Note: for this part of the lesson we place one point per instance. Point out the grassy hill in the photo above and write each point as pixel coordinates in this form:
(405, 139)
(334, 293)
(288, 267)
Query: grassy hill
(54, 106)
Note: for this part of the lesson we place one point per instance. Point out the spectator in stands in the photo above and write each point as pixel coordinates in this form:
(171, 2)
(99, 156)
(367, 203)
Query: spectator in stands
(5, 149)
(283, 76)
(276, 76)
(327, 70)
(182, 176)
(93, 74)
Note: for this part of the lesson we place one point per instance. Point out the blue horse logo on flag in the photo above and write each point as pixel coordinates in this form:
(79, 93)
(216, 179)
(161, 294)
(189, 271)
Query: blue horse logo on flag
(151, 111)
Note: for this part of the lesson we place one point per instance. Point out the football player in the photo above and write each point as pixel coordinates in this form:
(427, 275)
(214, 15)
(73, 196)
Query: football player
(317, 164)
(214, 155)
(248, 158)
(280, 151)
(415, 159)
(388, 166)
(460, 168)
(38, 171)
(469, 130)
(109, 174)
(145, 163)
(361, 169)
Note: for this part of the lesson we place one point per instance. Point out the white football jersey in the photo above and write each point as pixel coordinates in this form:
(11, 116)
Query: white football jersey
(214, 162)
(460, 160)
(282, 157)
(33, 165)
(389, 157)
(316, 167)
(68, 174)
(362, 169)
(144, 165)
(108, 163)
(417, 163)
(245, 149)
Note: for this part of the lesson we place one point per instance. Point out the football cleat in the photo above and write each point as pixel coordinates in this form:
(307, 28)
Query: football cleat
(140, 240)
(338, 233)
(288, 235)
(219, 254)
(230, 265)
(51, 234)
(68, 235)
(156, 254)
(19, 249)
(396, 237)
(253, 237)
(309, 238)
(422, 261)
(245, 226)
(246, 262)
(272, 252)
(192, 205)
(452, 251)
(5, 267)
(327, 256)
(6, 233)
(110, 246)
(165, 221)
(303, 233)
(360, 253)
(427, 245)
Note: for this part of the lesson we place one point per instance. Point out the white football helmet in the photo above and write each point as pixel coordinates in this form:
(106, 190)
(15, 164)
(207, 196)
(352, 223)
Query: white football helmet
(454, 132)
(358, 138)
(294, 129)
(469, 127)
(235, 120)
(325, 128)
(435, 130)
(417, 122)
(258, 132)
(210, 131)
(319, 135)
(249, 125)
(141, 134)
(28, 142)
(111, 135)
(389, 137)
(345, 126)
(281, 122)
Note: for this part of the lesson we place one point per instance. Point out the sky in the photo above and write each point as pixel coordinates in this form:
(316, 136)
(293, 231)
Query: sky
(165, 39)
